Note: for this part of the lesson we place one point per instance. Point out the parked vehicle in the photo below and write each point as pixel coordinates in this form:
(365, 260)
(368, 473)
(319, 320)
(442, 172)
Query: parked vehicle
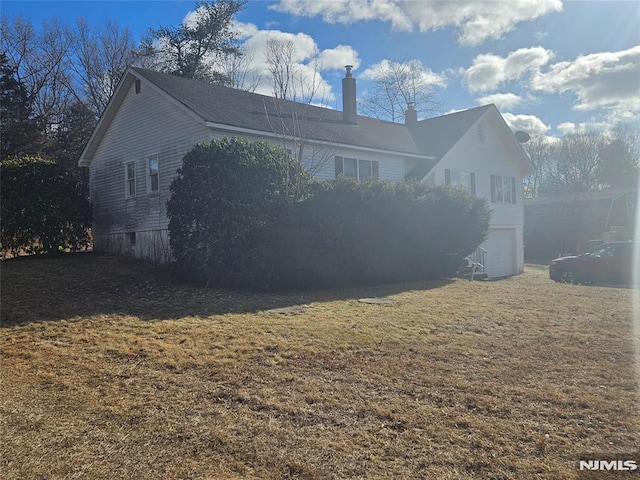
(607, 263)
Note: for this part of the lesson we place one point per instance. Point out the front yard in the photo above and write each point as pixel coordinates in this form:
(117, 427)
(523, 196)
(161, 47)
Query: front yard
(109, 369)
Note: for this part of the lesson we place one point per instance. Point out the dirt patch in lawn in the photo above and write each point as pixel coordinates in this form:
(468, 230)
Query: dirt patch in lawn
(111, 369)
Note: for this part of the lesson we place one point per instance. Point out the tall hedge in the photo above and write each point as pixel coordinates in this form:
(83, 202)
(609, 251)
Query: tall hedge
(237, 219)
(375, 232)
(225, 190)
(43, 207)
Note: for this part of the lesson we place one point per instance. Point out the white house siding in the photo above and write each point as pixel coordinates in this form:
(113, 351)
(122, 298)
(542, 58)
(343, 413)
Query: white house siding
(390, 167)
(487, 158)
(146, 124)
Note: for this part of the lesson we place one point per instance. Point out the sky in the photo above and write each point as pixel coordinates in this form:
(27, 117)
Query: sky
(552, 67)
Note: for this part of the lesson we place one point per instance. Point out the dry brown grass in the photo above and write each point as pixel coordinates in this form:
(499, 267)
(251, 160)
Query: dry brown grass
(110, 370)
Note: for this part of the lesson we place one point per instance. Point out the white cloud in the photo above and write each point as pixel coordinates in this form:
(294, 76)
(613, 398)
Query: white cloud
(309, 62)
(488, 71)
(338, 57)
(349, 11)
(414, 67)
(606, 80)
(244, 30)
(475, 21)
(501, 100)
(566, 128)
(191, 18)
(528, 123)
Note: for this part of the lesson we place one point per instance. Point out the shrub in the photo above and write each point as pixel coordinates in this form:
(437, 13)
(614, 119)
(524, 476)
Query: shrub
(363, 233)
(43, 208)
(225, 190)
(242, 215)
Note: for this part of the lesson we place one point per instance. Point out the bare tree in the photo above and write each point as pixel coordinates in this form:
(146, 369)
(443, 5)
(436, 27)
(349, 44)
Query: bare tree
(238, 69)
(541, 152)
(39, 59)
(578, 158)
(279, 56)
(101, 56)
(295, 87)
(396, 85)
(584, 161)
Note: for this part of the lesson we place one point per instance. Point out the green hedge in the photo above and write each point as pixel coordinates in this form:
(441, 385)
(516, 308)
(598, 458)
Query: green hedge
(349, 233)
(237, 219)
(43, 208)
(225, 190)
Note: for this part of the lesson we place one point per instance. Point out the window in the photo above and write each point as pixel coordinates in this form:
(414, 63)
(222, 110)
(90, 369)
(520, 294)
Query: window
(360, 169)
(350, 167)
(152, 174)
(365, 169)
(503, 189)
(138, 86)
(461, 178)
(131, 238)
(130, 179)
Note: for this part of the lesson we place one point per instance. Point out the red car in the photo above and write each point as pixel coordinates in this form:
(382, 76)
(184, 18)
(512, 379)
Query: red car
(608, 263)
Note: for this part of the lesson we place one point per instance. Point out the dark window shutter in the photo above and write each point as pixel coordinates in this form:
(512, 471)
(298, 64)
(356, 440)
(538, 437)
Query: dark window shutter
(375, 169)
(338, 165)
(472, 178)
(447, 176)
(493, 188)
(513, 190)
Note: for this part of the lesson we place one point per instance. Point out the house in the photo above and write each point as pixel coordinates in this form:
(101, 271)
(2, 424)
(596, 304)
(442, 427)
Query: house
(573, 223)
(153, 119)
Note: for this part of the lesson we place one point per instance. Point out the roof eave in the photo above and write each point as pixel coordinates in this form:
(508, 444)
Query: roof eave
(129, 77)
(263, 133)
(105, 119)
(525, 161)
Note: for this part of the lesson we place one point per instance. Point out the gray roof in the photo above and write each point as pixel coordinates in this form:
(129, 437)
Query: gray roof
(434, 137)
(427, 140)
(239, 108)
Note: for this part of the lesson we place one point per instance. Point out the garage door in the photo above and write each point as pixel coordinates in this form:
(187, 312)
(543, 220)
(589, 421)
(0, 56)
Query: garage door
(501, 258)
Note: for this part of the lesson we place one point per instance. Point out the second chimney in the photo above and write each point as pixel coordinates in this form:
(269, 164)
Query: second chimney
(411, 114)
(349, 112)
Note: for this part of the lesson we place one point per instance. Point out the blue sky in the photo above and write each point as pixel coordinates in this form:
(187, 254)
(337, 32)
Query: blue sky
(552, 67)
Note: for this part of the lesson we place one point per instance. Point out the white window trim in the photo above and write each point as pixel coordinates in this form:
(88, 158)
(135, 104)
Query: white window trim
(149, 159)
(507, 184)
(454, 178)
(375, 172)
(127, 180)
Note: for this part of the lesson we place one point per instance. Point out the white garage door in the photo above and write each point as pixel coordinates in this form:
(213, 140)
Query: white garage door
(501, 258)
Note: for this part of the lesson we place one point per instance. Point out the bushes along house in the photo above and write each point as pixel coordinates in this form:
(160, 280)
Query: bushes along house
(243, 214)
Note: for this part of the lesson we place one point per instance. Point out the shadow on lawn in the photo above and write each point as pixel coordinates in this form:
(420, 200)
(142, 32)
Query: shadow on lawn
(46, 288)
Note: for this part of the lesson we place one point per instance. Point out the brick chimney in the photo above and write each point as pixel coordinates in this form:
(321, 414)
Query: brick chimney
(349, 113)
(410, 114)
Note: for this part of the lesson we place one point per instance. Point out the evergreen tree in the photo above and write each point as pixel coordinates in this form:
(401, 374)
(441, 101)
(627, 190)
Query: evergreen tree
(618, 166)
(20, 133)
(71, 136)
(200, 45)
(43, 208)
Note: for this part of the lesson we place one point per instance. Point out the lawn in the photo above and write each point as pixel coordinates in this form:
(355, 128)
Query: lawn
(111, 369)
